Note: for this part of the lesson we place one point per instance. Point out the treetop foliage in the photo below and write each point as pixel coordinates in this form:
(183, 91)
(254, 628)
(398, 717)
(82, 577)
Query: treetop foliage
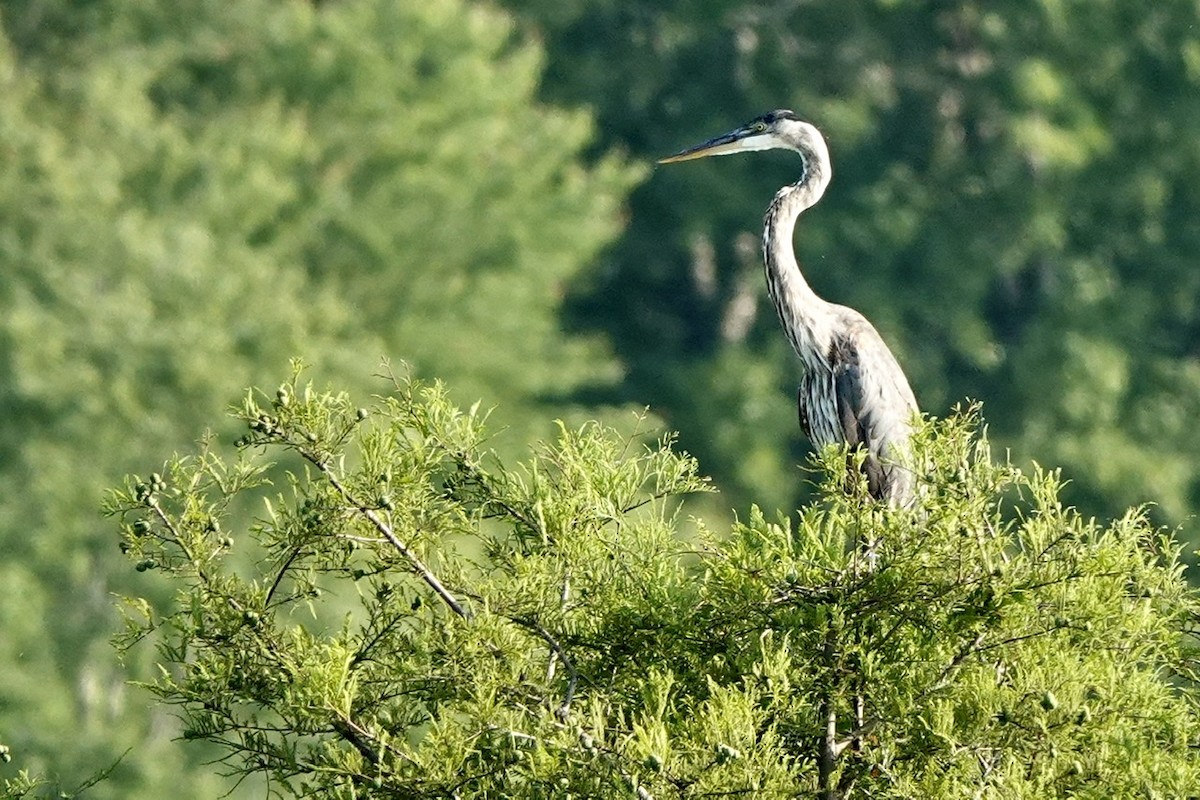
(413, 618)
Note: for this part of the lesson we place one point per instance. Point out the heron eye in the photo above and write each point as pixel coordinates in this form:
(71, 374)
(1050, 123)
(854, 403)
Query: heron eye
(760, 126)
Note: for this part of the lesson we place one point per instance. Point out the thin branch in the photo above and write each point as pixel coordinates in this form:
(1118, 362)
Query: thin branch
(564, 598)
(360, 738)
(1015, 639)
(177, 538)
(279, 577)
(364, 651)
(855, 736)
(572, 676)
(865, 727)
(102, 775)
(573, 679)
(830, 748)
(386, 531)
(964, 652)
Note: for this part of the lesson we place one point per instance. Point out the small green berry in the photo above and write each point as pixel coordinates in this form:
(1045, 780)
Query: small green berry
(145, 564)
(361, 414)
(1049, 701)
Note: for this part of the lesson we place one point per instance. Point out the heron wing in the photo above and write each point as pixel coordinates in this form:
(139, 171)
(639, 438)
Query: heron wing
(852, 412)
(855, 416)
(858, 395)
(833, 399)
(874, 403)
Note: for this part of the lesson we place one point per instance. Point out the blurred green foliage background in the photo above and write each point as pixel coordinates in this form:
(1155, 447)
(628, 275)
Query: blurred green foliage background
(192, 192)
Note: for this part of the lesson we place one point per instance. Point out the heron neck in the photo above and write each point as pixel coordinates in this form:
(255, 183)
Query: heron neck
(805, 317)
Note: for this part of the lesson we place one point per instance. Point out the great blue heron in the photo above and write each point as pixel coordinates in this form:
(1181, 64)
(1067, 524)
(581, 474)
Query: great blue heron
(852, 390)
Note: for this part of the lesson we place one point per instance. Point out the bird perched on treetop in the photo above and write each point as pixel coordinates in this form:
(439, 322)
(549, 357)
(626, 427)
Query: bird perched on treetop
(852, 389)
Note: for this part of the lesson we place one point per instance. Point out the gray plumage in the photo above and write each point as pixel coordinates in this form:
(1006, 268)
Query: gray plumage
(852, 389)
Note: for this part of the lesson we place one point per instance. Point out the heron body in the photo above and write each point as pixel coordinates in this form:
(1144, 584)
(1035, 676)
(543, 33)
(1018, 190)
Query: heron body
(853, 390)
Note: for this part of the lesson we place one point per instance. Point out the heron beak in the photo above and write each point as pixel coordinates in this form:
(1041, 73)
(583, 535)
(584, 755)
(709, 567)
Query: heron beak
(721, 145)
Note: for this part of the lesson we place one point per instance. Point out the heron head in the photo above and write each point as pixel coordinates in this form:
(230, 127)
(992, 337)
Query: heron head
(773, 130)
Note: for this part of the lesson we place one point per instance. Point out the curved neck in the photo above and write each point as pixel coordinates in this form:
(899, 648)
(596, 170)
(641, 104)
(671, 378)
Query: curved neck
(804, 315)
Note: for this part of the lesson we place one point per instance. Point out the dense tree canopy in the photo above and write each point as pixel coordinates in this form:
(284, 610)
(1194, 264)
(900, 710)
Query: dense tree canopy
(993, 643)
